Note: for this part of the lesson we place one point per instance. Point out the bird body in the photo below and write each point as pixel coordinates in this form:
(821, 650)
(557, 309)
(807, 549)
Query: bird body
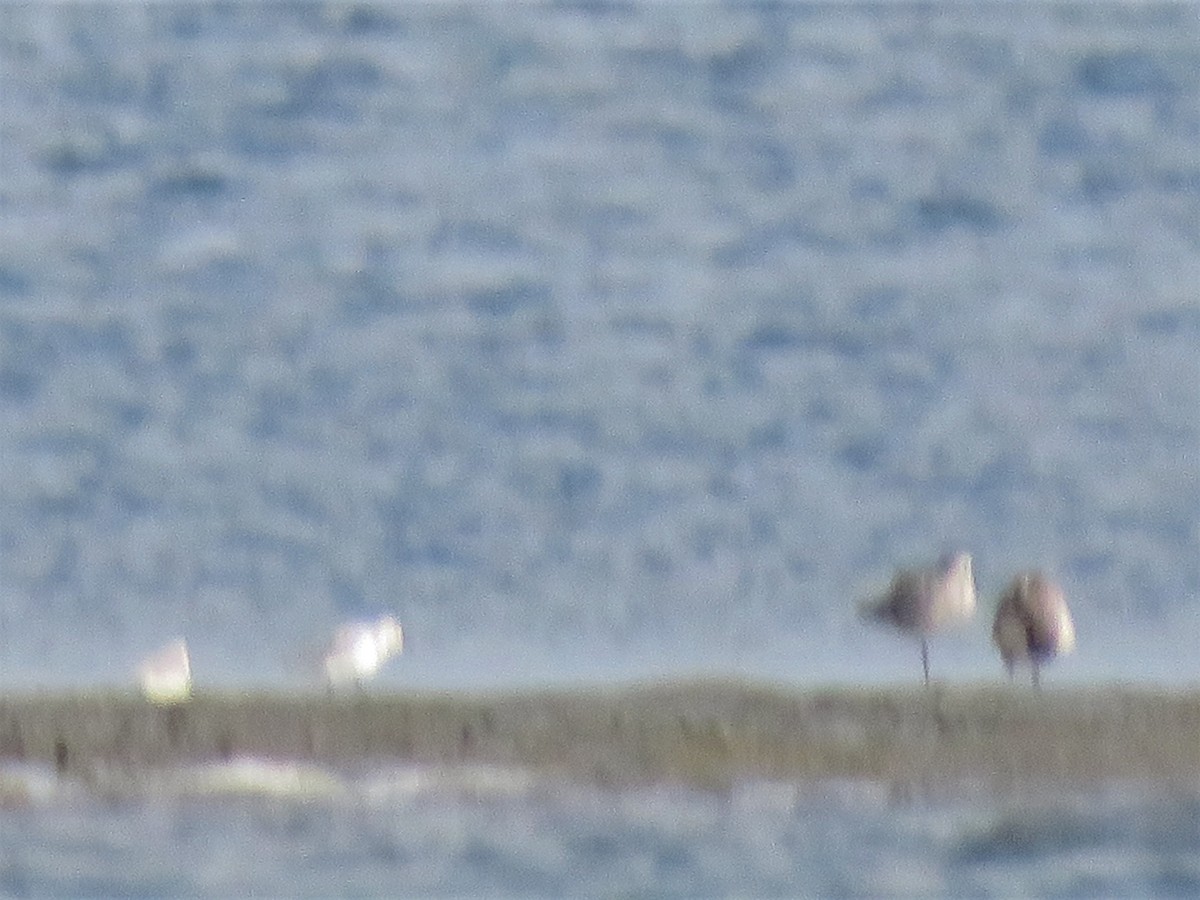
(925, 601)
(359, 650)
(1032, 623)
(166, 676)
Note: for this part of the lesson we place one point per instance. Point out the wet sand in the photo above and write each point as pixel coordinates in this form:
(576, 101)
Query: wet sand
(707, 733)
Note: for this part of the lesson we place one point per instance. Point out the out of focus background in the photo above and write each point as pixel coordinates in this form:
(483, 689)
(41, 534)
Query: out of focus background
(593, 341)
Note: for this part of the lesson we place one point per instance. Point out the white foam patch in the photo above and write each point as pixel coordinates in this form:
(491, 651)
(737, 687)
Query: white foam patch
(248, 776)
(411, 781)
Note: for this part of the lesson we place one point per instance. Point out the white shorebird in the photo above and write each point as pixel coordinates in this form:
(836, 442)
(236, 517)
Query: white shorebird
(923, 601)
(1032, 623)
(360, 649)
(166, 676)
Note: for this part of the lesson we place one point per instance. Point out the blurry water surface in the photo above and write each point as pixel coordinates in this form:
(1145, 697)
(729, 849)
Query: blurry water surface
(593, 341)
(491, 833)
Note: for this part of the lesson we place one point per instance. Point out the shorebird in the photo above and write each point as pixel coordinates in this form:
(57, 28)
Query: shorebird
(166, 676)
(1032, 623)
(922, 601)
(360, 649)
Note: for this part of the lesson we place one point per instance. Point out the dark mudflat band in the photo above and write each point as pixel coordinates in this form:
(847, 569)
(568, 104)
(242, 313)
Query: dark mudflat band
(709, 733)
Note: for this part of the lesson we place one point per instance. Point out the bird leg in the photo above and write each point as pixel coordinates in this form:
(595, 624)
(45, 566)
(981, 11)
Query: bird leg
(1036, 684)
(925, 659)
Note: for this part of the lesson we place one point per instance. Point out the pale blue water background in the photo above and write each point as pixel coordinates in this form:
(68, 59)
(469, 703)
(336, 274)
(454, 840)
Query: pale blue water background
(485, 834)
(594, 342)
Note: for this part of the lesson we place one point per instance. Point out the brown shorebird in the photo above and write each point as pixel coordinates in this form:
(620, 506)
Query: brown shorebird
(1032, 623)
(922, 601)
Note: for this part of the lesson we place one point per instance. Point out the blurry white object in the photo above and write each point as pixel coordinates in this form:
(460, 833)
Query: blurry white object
(166, 676)
(360, 649)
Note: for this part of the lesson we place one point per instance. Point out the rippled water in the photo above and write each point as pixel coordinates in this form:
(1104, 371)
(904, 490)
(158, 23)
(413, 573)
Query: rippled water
(256, 828)
(593, 341)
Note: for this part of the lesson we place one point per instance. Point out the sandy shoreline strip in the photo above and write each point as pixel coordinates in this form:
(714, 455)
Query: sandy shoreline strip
(705, 732)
